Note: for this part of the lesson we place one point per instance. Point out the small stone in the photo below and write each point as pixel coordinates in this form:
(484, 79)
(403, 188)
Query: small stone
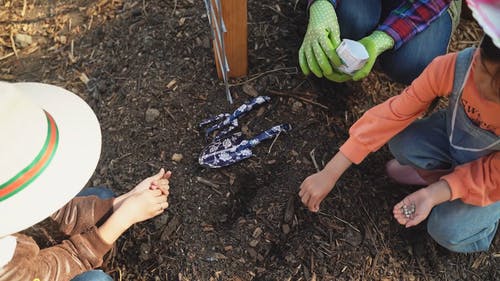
(252, 252)
(63, 39)
(260, 258)
(296, 106)
(253, 243)
(285, 228)
(145, 251)
(23, 40)
(408, 210)
(250, 90)
(148, 42)
(257, 232)
(177, 157)
(152, 114)
(161, 220)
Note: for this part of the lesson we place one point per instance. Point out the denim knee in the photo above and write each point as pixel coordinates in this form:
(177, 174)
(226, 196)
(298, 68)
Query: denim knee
(93, 275)
(403, 148)
(411, 148)
(398, 149)
(401, 71)
(358, 18)
(454, 233)
(101, 192)
(406, 63)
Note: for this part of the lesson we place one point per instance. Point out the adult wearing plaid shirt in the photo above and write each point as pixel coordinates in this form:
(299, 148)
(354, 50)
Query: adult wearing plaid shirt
(405, 34)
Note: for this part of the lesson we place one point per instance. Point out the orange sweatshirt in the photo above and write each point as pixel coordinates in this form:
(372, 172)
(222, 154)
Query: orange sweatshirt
(476, 182)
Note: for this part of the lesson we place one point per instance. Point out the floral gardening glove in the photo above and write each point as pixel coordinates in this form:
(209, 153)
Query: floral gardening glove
(321, 39)
(375, 44)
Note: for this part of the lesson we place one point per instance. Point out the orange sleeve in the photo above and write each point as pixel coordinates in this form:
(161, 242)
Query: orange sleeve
(379, 124)
(477, 182)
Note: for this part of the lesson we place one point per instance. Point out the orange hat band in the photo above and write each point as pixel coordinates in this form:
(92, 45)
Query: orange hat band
(36, 167)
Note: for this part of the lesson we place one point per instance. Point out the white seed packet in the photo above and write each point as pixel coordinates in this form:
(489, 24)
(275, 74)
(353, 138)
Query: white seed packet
(353, 54)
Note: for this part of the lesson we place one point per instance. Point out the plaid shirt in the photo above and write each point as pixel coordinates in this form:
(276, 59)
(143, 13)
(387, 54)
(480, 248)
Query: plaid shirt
(409, 18)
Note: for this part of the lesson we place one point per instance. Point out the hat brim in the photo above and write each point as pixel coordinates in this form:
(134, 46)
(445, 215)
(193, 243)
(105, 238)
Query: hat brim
(71, 167)
(487, 15)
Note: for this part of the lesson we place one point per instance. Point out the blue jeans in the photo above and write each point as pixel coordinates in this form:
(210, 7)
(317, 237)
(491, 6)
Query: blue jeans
(455, 225)
(359, 18)
(101, 192)
(95, 275)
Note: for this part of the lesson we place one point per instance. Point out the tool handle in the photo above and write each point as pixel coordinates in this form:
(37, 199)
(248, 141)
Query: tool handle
(241, 110)
(267, 134)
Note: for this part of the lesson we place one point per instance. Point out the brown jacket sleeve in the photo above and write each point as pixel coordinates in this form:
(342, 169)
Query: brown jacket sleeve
(81, 213)
(80, 253)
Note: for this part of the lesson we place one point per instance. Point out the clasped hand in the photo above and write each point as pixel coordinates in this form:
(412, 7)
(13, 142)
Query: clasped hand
(148, 199)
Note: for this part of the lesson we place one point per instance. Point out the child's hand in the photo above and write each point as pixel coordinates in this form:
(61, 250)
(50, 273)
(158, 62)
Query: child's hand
(152, 182)
(414, 208)
(162, 182)
(314, 189)
(148, 183)
(142, 205)
(139, 205)
(423, 200)
(316, 186)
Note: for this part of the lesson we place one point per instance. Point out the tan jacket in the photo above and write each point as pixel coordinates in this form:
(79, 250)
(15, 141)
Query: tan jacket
(83, 251)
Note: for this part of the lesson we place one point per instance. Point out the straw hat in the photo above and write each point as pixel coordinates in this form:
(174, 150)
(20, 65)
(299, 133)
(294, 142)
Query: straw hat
(49, 147)
(487, 14)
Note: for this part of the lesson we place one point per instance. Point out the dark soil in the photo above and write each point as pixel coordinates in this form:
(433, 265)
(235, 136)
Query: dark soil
(143, 57)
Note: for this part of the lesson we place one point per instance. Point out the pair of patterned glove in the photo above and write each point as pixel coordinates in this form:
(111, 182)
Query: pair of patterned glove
(317, 53)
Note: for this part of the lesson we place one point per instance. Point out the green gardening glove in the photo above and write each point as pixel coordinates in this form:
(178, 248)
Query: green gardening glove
(375, 44)
(317, 53)
(338, 76)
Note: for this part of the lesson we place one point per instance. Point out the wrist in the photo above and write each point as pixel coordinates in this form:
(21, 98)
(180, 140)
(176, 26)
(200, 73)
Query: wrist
(381, 40)
(113, 228)
(333, 2)
(439, 192)
(321, 9)
(118, 201)
(337, 166)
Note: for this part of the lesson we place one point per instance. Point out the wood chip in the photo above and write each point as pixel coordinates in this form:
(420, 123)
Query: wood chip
(171, 84)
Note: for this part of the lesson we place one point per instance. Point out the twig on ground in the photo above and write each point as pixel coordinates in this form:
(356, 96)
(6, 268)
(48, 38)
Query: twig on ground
(175, 7)
(24, 8)
(210, 184)
(277, 11)
(144, 7)
(264, 73)
(170, 114)
(298, 86)
(7, 56)
(339, 219)
(373, 222)
(346, 222)
(298, 97)
(271, 147)
(13, 43)
(314, 160)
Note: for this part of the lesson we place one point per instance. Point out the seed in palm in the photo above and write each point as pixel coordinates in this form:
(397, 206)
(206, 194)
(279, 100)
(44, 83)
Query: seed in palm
(408, 210)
